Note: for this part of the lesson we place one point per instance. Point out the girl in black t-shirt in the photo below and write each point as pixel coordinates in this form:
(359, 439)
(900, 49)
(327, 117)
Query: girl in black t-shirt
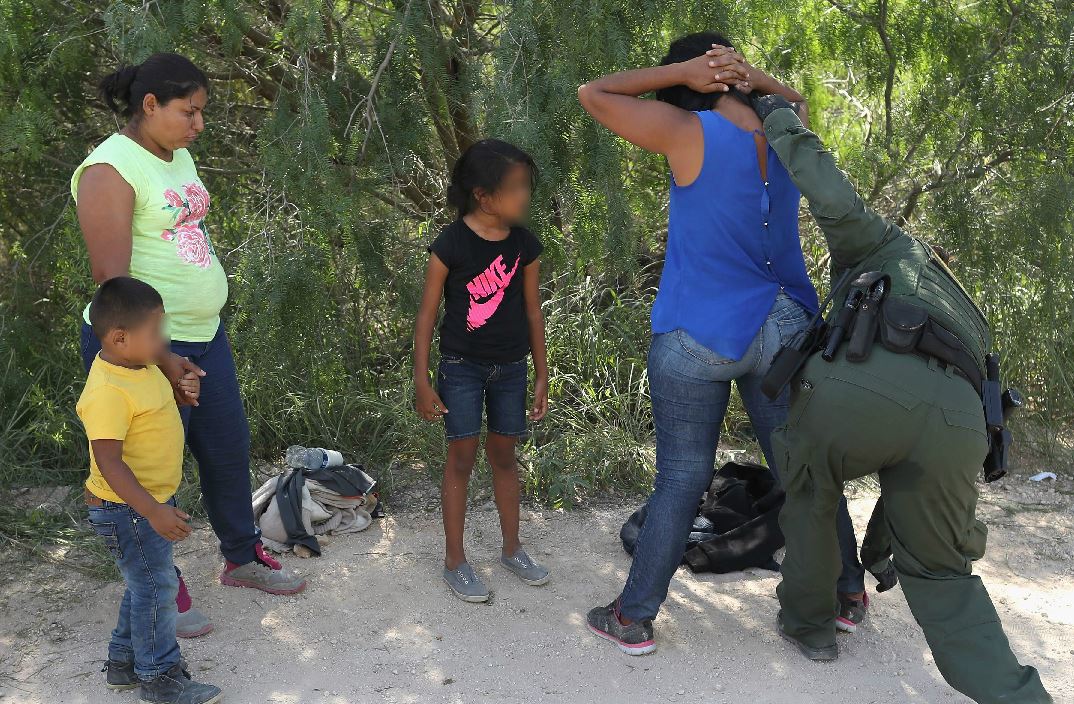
(486, 268)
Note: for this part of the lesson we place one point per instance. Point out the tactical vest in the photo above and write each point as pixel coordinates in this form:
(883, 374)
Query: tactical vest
(920, 276)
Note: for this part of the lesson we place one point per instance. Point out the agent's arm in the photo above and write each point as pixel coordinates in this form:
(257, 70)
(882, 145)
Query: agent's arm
(851, 228)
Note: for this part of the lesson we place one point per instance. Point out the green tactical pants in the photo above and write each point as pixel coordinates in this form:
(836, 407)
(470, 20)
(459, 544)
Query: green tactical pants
(920, 427)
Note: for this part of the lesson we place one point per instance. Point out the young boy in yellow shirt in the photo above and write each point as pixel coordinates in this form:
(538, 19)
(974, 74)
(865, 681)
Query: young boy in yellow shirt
(136, 462)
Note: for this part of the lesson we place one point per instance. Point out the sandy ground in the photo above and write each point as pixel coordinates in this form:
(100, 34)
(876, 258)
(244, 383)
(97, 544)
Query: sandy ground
(378, 625)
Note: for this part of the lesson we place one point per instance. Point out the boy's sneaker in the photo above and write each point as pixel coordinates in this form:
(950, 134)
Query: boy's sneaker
(466, 584)
(192, 624)
(525, 568)
(635, 639)
(264, 573)
(851, 612)
(816, 654)
(120, 676)
(176, 687)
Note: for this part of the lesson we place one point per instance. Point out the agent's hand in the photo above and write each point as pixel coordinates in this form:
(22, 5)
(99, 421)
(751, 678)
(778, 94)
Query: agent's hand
(169, 522)
(716, 71)
(175, 368)
(540, 399)
(765, 105)
(427, 402)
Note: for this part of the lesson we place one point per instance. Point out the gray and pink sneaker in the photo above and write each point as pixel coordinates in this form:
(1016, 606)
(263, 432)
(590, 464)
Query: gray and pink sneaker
(264, 573)
(635, 639)
(851, 612)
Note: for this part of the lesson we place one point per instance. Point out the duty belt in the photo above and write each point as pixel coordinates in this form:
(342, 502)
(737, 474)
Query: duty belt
(868, 317)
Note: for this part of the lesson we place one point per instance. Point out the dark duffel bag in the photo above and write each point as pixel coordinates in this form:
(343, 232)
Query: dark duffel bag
(736, 525)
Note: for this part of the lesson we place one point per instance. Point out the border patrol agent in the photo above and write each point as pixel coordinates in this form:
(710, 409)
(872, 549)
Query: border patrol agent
(902, 399)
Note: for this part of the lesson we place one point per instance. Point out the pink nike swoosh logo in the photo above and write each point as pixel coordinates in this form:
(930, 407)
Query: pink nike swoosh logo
(493, 277)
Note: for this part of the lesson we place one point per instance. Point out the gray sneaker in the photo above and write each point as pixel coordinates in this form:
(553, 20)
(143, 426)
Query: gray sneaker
(257, 575)
(526, 569)
(192, 624)
(466, 585)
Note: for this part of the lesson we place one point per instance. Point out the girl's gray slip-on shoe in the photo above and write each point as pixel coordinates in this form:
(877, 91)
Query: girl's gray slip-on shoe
(526, 569)
(466, 584)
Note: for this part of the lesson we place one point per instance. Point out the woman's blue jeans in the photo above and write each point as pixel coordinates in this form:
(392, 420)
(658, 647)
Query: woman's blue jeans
(218, 436)
(690, 387)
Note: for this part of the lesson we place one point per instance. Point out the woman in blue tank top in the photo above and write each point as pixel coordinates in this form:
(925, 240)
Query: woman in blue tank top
(733, 289)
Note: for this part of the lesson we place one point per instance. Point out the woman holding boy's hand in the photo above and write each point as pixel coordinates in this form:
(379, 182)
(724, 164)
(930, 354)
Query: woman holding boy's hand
(143, 211)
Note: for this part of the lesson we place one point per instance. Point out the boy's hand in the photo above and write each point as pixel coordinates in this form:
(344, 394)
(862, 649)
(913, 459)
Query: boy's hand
(190, 386)
(427, 402)
(540, 399)
(169, 522)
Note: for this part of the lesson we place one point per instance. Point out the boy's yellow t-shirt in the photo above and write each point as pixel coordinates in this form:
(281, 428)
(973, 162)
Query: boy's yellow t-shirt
(137, 407)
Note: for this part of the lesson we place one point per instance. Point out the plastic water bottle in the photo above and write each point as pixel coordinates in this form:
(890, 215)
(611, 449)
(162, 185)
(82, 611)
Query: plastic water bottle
(300, 457)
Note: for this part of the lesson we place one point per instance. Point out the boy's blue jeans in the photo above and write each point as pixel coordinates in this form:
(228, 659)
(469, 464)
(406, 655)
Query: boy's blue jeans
(218, 436)
(145, 631)
(690, 387)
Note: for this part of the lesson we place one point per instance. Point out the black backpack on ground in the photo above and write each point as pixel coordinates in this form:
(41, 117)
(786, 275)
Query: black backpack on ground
(736, 525)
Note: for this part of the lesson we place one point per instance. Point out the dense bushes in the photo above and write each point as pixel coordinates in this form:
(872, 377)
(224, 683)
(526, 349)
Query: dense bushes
(331, 129)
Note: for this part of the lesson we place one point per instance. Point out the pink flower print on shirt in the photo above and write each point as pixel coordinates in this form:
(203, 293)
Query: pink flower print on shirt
(173, 198)
(197, 201)
(190, 207)
(192, 246)
(487, 290)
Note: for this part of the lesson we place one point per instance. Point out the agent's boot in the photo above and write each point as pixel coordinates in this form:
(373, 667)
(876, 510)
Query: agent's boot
(816, 654)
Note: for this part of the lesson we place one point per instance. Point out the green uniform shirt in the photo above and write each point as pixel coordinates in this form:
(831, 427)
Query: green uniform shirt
(170, 249)
(860, 239)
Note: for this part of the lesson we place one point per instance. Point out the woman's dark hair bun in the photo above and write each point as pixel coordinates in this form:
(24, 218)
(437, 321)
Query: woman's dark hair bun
(690, 47)
(164, 75)
(117, 86)
(484, 165)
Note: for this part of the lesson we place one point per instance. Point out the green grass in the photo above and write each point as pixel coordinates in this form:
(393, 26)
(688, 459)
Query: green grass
(57, 536)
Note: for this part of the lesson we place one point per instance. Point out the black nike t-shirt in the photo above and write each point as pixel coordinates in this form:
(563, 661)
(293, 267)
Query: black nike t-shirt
(484, 311)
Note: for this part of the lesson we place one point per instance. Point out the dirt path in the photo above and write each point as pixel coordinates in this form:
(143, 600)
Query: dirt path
(377, 625)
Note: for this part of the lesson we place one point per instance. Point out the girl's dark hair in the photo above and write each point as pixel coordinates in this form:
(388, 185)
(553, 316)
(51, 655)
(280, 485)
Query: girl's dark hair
(167, 76)
(683, 49)
(484, 165)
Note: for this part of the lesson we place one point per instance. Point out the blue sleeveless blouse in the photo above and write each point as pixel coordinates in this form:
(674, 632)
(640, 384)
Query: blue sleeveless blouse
(732, 245)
